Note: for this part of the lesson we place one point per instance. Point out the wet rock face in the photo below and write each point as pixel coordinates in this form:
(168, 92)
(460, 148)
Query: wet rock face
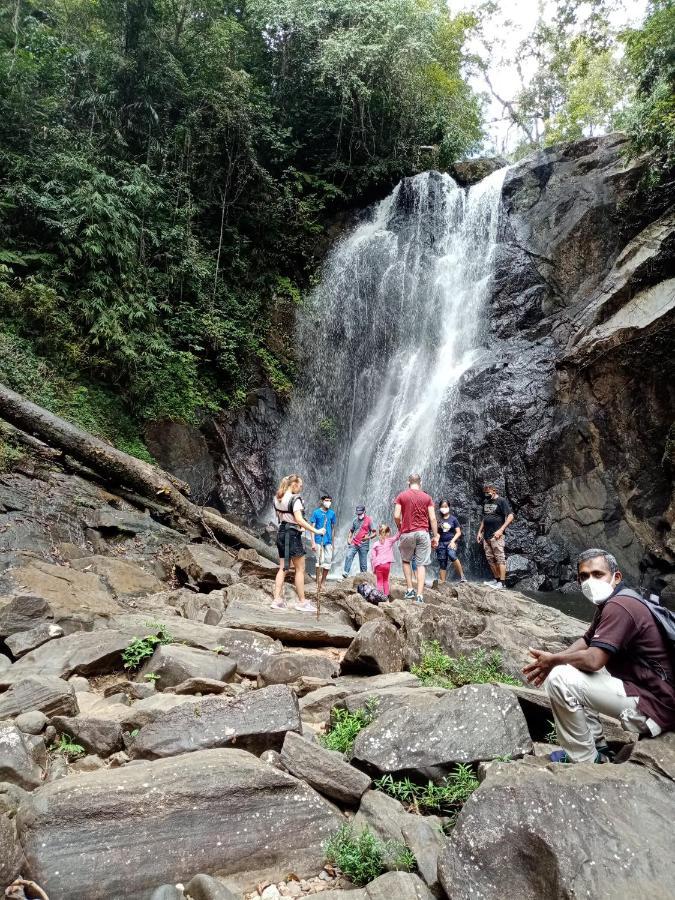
(568, 408)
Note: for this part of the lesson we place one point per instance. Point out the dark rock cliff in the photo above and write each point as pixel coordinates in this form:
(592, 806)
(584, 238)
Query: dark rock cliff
(571, 412)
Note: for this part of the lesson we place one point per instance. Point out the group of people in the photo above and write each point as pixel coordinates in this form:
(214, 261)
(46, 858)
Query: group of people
(418, 531)
(622, 667)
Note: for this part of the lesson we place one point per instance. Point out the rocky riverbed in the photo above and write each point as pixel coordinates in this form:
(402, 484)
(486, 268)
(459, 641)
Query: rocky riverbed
(200, 773)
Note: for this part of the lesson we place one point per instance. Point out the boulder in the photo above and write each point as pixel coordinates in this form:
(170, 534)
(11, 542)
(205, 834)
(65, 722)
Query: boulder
(21, 613)
(11, 854)
(99, 736)
(249, 562)
(390, 886)
(247, 648)
(203, 887)
(206, 566)
(21, 642)
(473, 723)
(222, 812)
(44, 693)
(288, 666)
(174, 663)
(257, 721)
(325, 770)
(18, 763)
(145, 711)
(125, 579)
(80, 653)
(122, 521)
(528, 833)
(389, 821)
(317, 705)
(207, 686)
(467, 172)
(31, 722)
(384, 700)
(252, 613)
(376, 648)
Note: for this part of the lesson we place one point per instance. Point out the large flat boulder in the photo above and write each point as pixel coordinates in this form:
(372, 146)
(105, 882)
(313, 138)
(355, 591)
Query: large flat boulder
(390, 886)
(288, 666)
(21, 613)
(473, 723)
(44, 693)
(80, 653)
(376, 648)
(253, 614)
(316, 705)
(257, 721)
(565, 831)
(325, 770)
(217, 812)
(11, 854)
(248, 648)
(125, 579)
(22, 642)
(206, 566)
(99, 736)
(175, 663)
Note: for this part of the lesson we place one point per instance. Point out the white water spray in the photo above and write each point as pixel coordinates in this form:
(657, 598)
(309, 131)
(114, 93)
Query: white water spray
(384, 340)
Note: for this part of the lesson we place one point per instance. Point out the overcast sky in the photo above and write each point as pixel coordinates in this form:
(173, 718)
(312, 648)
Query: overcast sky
(523, 16)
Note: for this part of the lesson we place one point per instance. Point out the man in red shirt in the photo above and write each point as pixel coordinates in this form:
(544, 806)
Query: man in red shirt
(415, 516)
(622, 667)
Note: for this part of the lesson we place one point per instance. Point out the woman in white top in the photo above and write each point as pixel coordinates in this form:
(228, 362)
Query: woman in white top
(289, 509)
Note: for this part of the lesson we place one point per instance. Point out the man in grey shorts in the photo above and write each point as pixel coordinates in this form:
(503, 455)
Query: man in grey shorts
(415, 516)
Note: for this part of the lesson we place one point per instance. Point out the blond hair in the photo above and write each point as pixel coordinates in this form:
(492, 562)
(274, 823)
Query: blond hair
(384, 529)
(286, 483)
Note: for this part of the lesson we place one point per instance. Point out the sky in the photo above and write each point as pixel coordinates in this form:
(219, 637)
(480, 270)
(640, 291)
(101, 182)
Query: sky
(523, 16)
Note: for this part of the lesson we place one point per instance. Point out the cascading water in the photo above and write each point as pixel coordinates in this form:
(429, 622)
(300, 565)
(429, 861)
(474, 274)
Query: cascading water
(384, 340)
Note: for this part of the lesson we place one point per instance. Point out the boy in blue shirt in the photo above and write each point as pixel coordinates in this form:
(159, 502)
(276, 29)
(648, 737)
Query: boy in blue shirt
(449, 533)
(322, 544)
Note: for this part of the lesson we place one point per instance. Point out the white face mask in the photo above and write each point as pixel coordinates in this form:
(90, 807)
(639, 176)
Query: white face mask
(327, 503)
(445, 512)
(596, 590)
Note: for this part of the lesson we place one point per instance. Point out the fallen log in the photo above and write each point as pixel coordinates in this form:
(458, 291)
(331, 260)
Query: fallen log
(147, 480)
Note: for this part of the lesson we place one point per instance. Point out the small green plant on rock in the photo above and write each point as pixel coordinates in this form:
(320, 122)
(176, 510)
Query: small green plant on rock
(362, 857)
(67, 747)
(141, 649)
(346, 726)
(151, 676)
(446, 798)
(551, 732)
(437, 669)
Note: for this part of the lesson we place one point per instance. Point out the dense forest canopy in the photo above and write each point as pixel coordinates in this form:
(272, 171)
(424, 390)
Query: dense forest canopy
(168, 169)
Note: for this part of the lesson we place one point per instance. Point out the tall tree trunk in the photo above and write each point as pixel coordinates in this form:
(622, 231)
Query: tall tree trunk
(149, 481)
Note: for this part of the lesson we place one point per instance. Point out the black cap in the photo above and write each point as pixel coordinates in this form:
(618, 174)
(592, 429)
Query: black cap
(360, 509)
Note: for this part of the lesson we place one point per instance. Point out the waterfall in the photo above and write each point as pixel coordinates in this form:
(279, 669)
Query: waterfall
(383, 341)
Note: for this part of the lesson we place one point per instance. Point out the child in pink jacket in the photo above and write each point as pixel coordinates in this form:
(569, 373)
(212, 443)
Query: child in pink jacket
(382, 556)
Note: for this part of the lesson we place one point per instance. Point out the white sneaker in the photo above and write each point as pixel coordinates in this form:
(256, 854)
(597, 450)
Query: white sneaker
(305, 607)
(498, 586)
(491, 583)
(279, 604)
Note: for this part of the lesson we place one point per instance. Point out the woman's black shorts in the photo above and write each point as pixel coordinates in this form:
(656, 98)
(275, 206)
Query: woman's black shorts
(295, 545)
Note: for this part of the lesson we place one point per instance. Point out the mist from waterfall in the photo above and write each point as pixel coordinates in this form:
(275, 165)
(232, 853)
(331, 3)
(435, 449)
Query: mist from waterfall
(383, 342)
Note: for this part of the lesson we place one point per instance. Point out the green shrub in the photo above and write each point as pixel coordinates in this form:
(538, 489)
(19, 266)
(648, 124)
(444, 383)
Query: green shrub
(438, 669)
(346, 725)
(446, 798)
(362, 857)
(68, 748)
(141, 649)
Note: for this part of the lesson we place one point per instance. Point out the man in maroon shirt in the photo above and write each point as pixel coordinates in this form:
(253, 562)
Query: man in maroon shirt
(415, 516)
(622, 667)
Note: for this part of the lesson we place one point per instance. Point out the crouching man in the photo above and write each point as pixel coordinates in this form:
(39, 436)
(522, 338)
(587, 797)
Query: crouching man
(622, 667)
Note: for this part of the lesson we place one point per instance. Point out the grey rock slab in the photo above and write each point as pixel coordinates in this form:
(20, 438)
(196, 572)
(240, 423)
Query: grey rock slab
(11, 854)
(390, 821)
(247, 648)
(99, 736)
(257, 721)
(383, 700)
(44, 693)
(560, 831)
(254, 614)
(219, 812)
(207, 686)
(21, 642)
(207, 566)
(390, 886)
(17, 759)
(326, 771)
(288, 666)
(316, 705)
(145, 711)
(470, 724)
(174, 663)
(81, 653)
(204, 887)
(21, 613)
(125, 579)
(376, 648)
